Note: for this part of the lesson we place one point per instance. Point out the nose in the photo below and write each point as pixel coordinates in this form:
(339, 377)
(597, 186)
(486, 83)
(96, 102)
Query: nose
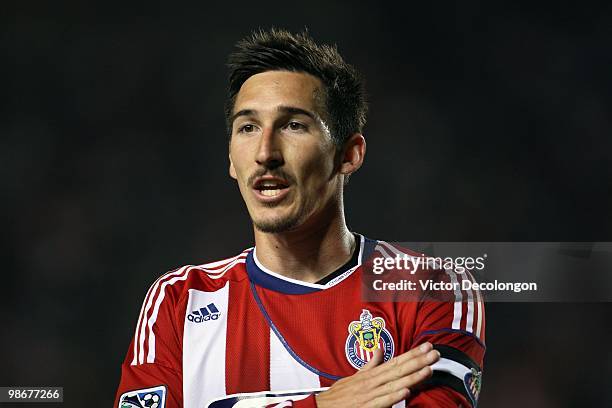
(269, 153)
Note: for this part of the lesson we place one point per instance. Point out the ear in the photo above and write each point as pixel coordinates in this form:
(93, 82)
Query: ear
(232, 170)
(353, 154)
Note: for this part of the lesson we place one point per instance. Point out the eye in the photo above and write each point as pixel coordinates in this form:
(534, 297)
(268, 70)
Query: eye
(295, 126)
(246, 128)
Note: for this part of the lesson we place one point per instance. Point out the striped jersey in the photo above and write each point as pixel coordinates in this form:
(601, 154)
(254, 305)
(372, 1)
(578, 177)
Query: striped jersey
(235, 334)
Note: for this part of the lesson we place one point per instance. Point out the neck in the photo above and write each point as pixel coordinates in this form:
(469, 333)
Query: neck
(309, 252)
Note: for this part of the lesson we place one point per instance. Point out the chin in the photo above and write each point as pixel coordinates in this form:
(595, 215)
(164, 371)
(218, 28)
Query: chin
(276, 224)
(275, 227)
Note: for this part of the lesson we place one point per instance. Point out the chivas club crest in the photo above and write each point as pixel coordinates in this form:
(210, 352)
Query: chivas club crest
(366, 335)
(472, 382)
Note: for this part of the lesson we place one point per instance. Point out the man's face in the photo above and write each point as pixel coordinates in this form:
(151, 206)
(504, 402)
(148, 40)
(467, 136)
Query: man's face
(281, 152)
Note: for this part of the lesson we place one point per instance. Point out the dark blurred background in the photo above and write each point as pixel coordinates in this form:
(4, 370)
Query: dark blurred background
(488, 122)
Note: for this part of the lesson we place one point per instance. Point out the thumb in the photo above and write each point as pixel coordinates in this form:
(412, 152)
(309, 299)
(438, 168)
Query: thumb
(377, 358)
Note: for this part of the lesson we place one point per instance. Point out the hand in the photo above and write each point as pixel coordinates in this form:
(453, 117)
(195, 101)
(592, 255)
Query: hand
(381, 385)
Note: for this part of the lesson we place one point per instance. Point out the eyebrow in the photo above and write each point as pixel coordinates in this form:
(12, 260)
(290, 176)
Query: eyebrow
(282, 109)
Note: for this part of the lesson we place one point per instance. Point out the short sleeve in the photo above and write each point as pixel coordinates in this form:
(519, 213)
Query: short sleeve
(152, 368)
(456, 328)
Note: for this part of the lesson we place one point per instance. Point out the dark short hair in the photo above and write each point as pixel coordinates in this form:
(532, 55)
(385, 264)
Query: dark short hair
(280, 50)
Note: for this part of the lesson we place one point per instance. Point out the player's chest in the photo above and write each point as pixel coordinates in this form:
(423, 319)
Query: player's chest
(334, 334)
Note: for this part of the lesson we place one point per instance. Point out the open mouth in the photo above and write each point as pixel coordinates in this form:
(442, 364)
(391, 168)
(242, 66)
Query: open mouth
(270, 186)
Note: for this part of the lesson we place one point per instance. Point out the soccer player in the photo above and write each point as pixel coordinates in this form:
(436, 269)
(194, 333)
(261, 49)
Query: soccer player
(284, 323)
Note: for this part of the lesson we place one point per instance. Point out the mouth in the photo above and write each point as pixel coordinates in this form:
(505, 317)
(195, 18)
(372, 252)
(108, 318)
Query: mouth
(270, 189)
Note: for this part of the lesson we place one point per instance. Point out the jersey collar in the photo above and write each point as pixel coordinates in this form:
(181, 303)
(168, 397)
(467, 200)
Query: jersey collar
(262, 276)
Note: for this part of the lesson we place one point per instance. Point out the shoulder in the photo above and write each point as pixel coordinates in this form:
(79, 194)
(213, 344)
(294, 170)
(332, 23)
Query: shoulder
(207, 277)
(393, 249)
(419, 262)
(395, 258)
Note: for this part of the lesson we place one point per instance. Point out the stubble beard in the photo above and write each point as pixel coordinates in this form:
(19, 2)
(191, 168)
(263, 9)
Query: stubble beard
(280, 224)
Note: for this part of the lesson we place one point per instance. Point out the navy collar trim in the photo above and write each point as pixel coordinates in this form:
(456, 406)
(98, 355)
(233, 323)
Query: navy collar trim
(261, 276)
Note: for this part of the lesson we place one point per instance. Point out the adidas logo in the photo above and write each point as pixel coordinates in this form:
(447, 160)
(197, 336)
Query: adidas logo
(210, 312)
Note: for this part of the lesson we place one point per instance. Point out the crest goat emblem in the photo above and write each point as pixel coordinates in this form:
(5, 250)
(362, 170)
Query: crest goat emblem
(367, 330)
(366, 335)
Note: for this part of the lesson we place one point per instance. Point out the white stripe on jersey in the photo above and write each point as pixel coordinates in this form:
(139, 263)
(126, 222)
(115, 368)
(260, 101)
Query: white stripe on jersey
(148, 301)
(382, 251)
(471, 303)
(135, 351)
(208, 268)
(153, 318)
(160, 298)
(361, 246)
(204, 347)
(140, 330)
(469, 321)
(219, 264)
(480, 311)
(458, 306)
(220, 274)
(285, 372)
(392, 249)
(480, 307)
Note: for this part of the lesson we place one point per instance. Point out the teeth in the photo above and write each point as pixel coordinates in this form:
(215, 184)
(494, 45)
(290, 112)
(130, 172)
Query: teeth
(270, 193)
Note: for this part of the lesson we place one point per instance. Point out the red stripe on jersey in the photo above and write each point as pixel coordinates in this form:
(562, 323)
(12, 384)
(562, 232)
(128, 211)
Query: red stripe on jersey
(464, 312)
(247, 355)
(141, 346)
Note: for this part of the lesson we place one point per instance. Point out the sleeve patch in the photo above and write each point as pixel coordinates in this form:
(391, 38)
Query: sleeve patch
(472, 382)
(457, 371)
(154, 397)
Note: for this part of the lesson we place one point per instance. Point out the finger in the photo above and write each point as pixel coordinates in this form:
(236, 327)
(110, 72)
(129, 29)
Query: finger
(410, 380)
(407, 375)
(400, 360)
(417, 363)
(415, 351)
(377, 358)
(385, 401)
